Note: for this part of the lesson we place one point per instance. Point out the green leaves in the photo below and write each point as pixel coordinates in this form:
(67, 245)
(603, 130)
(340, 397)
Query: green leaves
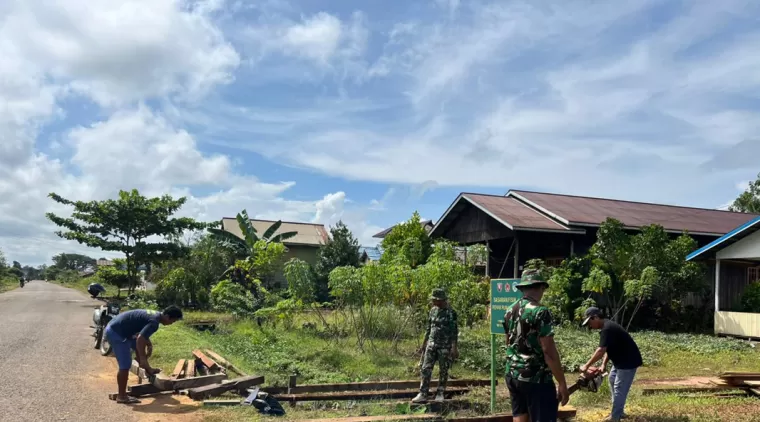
(597, 281)
(300, 280)
(749, 200)
(125, 224)
(408, 243)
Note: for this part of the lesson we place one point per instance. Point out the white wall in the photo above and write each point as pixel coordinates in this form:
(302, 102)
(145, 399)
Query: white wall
(747, 248)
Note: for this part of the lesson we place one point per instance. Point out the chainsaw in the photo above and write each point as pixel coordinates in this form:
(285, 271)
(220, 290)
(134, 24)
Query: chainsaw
(588, 382)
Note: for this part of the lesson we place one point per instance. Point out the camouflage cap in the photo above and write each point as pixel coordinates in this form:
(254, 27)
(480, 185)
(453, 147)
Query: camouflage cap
(438, 294)
(531, 278)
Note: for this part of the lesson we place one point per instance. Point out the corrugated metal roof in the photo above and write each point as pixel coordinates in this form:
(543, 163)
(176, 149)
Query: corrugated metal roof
(513, 213)
(734, 236)
(373, 252)
(586, 211)
(308, 234)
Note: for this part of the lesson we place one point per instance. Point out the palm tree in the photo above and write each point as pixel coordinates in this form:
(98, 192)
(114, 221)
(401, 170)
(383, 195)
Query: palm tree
(245, 246)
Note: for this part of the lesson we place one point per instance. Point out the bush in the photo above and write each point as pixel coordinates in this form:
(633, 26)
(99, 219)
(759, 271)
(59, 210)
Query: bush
(231, 297)
(750, 299)
(142, 299)
(111, 275)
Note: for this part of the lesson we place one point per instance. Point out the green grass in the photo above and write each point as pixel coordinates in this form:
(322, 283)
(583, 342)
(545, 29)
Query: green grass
(315, 358)
(8, 284)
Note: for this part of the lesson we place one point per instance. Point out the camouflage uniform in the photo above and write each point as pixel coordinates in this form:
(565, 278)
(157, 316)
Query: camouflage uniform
(524, 323)
(442, 332)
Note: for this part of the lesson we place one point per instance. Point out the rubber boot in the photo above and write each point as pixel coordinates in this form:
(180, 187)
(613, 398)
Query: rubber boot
(420, 398)
(439, 396)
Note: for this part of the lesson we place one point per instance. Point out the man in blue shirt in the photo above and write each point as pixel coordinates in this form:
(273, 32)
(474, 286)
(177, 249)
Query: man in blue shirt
(131, 331)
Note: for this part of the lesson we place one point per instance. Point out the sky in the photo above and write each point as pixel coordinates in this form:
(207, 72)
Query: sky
(320, 111)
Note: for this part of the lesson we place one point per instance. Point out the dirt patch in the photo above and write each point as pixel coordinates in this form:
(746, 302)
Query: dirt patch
(678, 382)
(162, 407)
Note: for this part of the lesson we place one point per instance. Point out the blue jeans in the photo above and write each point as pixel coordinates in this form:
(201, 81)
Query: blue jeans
(620, 385)
(122, 348)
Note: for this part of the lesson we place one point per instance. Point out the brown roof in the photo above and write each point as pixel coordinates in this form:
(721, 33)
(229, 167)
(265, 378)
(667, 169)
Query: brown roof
(308, 234)
(587, 211)
(513, 213)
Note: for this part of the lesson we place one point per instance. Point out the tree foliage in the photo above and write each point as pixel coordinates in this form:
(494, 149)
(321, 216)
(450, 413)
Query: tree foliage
(73, 261)
(342, 250)
(125, 225)
(407, 243)
(749, 200)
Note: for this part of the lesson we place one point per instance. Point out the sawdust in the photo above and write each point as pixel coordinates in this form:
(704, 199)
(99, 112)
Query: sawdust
(161, 407)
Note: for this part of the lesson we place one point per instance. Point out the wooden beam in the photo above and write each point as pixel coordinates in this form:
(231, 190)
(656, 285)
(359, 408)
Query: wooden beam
(158, 380)
(653, 391)
(191, 369)
(181, 364)
(207, 361)
(383, 385)
(222, 402)
(361, 395)
(224, 362)
(143, 390)
(186, 383)
(211, 390)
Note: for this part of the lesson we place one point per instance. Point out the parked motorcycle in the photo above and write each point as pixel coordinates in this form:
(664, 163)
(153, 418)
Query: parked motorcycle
(101, 317)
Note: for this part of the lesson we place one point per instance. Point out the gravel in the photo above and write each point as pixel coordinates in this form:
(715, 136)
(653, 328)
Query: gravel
(49, 370)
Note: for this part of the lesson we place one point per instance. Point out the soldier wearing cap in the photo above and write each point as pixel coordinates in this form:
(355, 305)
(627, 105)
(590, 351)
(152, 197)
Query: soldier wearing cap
(532, 356)
(440, 345)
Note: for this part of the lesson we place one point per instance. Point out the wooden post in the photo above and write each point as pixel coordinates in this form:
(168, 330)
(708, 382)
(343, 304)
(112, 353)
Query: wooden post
(717, 285)
(517, 258)
(488, 259)
(572, 248)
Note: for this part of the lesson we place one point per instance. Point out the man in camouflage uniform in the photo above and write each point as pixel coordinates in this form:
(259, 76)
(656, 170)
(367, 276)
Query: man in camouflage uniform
(440, 345)
(532, 356)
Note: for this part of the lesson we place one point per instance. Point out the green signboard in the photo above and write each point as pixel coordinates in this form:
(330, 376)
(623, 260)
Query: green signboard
(503, 295)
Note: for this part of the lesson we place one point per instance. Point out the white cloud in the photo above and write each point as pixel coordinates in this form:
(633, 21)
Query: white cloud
(119, 52)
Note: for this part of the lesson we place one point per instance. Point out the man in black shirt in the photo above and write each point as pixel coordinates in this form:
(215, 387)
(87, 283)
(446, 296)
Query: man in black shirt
(616, 345)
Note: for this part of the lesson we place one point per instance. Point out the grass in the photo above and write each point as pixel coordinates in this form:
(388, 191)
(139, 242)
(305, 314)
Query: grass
(8, 284)
(315, 358)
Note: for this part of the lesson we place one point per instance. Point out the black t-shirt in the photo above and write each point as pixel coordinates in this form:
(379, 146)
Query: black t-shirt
(621, 349)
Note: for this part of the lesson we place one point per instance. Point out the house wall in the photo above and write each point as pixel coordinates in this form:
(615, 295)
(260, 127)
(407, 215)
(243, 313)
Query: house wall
(475, 226)
(747, 248)
(303, 252)
(740, 324)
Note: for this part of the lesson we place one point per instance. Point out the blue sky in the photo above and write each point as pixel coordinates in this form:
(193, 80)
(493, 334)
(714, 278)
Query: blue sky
(366, 111)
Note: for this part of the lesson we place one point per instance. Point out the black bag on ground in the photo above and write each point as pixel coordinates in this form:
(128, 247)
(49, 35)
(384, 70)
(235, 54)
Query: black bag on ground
(268, 405)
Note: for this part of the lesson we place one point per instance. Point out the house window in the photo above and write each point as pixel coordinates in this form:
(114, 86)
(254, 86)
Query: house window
(753, 274)
(553, 262)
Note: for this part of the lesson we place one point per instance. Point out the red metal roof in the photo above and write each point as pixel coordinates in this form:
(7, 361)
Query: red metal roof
(513, 213)
(580, 210)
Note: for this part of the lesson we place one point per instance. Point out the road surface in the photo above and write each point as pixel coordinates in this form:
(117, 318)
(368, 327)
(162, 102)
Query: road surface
(49, 370)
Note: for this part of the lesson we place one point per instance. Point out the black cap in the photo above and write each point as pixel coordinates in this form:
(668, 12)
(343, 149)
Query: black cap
(591, 312)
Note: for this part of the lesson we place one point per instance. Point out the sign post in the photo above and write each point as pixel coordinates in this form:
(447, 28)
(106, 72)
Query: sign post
(504, 294)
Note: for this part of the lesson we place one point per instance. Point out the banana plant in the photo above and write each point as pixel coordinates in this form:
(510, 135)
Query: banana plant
(245, 246)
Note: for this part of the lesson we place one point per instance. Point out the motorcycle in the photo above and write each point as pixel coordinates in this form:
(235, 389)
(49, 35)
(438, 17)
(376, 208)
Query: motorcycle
(101, 317)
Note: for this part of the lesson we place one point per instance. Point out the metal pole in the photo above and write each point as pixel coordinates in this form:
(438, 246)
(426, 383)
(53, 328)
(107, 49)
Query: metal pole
(516, 272)
(717, 285)
(488, 260)
(493, 372)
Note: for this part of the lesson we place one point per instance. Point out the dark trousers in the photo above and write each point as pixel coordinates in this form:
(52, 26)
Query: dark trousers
(534, 399)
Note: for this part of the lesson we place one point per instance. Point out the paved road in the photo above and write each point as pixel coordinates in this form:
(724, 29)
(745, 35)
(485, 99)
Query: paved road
(49, 370)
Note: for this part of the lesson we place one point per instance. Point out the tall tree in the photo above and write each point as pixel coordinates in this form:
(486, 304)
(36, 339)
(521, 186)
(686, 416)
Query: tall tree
(749, 200)
(408, 243)
(125, 224)
(342, 250)
(73, 261)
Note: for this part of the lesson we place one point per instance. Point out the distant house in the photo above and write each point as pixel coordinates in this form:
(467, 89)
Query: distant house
(523, 225)
(369, 254)
(427, 224)
(102, 262)
(734, 261)
(304, 245)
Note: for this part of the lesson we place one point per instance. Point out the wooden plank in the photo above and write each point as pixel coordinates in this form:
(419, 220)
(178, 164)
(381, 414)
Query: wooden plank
(181, 364)
(158, 380)
(186, 383)
(384, 385)
(211, 390)
(222, 402)
(752, 383)
(361, 395)
(207, 361)
(754, 391)
(191, 369)
(224, 362)
(652, 391)
(143, 390)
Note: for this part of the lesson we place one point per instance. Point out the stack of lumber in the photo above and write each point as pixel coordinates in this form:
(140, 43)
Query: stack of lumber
(746, 382)
(203, 369)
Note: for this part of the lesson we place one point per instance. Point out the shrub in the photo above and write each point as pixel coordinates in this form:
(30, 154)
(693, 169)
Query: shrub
(750, 299)
(142, 299)
(231, 297)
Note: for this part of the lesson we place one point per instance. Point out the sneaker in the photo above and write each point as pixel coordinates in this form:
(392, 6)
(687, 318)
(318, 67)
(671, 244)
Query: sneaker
(420, 398)
(439, 397)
